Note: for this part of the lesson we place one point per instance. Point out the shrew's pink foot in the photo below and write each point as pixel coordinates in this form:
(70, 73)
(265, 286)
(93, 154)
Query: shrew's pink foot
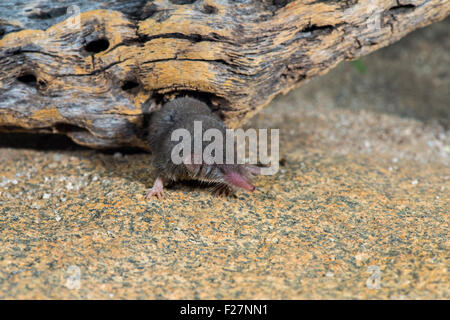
(157, 190)
(152, 192)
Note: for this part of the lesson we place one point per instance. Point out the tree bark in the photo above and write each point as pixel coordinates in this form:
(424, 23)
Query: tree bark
(97, 76)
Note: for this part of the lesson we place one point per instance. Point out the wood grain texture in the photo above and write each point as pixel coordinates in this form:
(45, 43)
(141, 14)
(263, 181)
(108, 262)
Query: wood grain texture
(97, 76)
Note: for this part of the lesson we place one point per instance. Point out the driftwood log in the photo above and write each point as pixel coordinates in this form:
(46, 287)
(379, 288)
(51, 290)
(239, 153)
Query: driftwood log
(95, 70)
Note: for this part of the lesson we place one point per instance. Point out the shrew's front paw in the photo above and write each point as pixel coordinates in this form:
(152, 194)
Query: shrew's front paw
(223, 190)
(157, 190)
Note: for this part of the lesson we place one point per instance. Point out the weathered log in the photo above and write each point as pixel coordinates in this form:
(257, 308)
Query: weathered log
(96, 76)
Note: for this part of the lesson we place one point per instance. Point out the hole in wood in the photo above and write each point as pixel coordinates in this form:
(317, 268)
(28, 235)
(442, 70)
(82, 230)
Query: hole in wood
(404, 8)
(62, 127)
(216, 103)
(97, 46)
(27, 78)
(183, 1)
(42, 83)
(141, 12)
(129, 85)
(280, 3)
(208, 9)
